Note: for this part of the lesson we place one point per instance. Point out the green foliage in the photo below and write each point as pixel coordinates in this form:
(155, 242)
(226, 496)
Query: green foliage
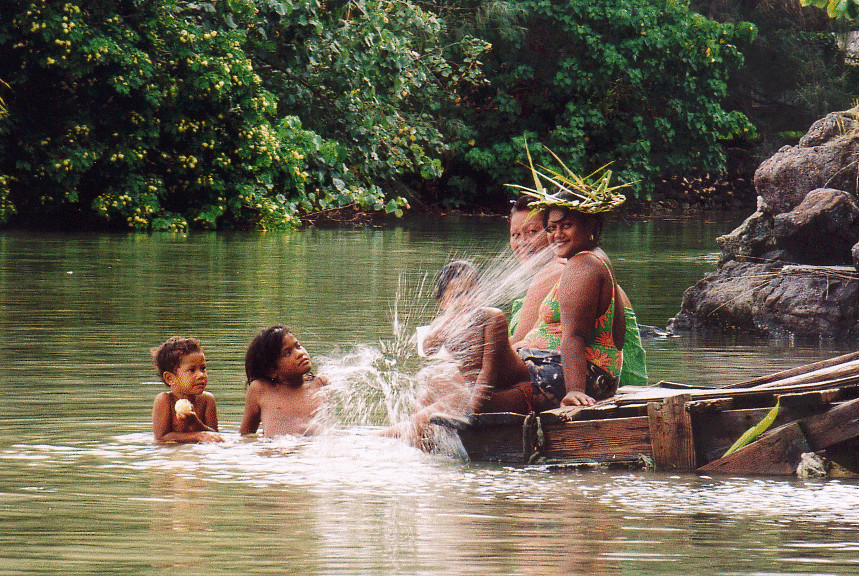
(845, 9)
(176, 114)
(135, 113)
(165, 114)
(372, 75)
(635, 82)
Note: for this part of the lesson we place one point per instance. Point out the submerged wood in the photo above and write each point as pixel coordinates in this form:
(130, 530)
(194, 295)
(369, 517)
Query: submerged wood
(687, 428)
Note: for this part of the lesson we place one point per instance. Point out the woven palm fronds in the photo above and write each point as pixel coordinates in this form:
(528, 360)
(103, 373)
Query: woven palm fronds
(590, 194)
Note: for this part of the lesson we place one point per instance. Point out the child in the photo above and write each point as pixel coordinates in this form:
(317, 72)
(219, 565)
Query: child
(489, 376)
(176, 414)
(283, 394)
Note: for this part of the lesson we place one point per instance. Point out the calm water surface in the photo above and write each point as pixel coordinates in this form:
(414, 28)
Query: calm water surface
(83, 491)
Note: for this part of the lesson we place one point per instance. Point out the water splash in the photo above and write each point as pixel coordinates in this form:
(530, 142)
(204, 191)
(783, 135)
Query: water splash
(387, 383)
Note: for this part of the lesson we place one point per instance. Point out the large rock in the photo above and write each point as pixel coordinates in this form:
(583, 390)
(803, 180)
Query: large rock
(751, 240)
(826, 157)
(791, 267)
(822, 229)
(772, 300)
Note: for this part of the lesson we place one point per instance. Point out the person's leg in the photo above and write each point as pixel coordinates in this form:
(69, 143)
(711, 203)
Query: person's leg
(517, 399)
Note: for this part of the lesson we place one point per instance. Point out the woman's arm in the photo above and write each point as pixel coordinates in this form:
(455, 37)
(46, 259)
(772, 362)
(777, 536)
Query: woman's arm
(251, 419)
(579, 299)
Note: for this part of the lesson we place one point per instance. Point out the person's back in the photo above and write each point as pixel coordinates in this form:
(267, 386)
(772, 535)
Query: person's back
(490, 360)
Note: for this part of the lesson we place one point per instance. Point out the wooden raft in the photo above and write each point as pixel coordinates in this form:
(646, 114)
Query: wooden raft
(678, 428)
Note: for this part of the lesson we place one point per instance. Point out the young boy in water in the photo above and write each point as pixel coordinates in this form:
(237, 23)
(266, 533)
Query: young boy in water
(489, 376)
(187, 413)
(283, 394)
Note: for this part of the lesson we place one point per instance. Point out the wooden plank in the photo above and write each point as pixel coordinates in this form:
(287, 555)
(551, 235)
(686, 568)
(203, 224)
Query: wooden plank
(845, 459)
(779, 451)
(715, 432)
(808, 399)
(750, 395)
(671, 434)
(833, 426)
(799, 370)
(775, 454)
(488, 437)
(600, 440)
(705, 406)
(494, 444)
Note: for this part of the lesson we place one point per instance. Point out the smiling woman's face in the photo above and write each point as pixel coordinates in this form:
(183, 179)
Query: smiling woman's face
(568, 232)
(527, 236)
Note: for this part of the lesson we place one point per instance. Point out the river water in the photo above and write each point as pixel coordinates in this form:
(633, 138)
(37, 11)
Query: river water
(83, 491)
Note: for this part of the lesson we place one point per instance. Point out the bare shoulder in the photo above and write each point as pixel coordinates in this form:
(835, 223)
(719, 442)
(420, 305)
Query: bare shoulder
(320, 381)
(495, 317)
(161, 398)
(494, 314)
(583, 263)
(255, 389)
(207, 397)
(551, 271)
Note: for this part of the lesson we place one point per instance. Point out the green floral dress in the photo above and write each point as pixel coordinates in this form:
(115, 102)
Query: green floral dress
(605, 360)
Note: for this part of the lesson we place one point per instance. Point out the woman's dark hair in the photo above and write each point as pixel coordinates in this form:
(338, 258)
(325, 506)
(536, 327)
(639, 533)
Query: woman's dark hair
(453, 270)
(521, 204)
(593, 221)
(168, 356)
(263, 352)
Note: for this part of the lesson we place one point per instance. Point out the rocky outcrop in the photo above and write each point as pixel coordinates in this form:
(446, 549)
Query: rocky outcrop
(826, 157)
(791, 267)
(773, 299)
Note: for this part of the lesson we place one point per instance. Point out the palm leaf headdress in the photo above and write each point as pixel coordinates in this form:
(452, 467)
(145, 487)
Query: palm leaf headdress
(590, 194)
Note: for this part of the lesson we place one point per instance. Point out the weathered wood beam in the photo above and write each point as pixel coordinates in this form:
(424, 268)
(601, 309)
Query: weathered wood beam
(776, 454)
(779, 451)
(798, 371)
(670, 426)
(600, 440)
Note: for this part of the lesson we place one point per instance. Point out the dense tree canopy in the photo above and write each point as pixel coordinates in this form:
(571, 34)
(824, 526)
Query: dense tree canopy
(169, 114)
(633, 82)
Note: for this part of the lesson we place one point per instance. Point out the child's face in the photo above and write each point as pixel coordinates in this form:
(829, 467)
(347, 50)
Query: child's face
(190, 378)
(293, 362)
(460, 293)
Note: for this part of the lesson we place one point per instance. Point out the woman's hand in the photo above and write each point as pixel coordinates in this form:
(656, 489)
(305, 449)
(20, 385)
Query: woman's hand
(576, 398)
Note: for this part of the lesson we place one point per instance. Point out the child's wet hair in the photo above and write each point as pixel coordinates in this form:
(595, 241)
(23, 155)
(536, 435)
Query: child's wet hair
(451, 271)
(264, 351)
(168, 356)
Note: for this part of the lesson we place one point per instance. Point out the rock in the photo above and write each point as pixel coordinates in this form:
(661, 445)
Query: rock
(834, 125)
(751, 240)
(822, 229)
(772, 299)
(826, 157)
(786, 268)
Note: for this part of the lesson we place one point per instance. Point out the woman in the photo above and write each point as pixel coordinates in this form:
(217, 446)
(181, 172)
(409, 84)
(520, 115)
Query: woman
(529, 243)
(581, 318)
